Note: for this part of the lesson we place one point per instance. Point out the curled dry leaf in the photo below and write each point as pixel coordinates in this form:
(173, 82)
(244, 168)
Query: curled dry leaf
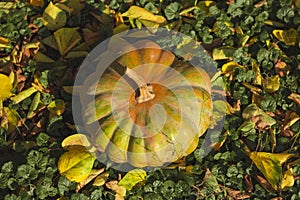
(120, 190)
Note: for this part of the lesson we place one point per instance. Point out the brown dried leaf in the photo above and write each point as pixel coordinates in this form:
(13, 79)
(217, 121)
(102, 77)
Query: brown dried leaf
(295, 97)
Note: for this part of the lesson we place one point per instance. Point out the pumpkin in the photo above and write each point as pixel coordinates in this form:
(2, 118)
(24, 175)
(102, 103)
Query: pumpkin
(148, 108)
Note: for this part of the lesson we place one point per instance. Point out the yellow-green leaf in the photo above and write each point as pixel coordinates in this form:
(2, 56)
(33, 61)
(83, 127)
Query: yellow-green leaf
(76, 164)
(132, 178)
(252, 111)
(223, 53)
(66, 39)
(34, 104)
(229, 67)
(270, 165)
(54, 17)
(12, 116)
(75, 140)
(5, 87)
(101, 179)
(92, 175)
(258, 77)
(271, 84)
(51, 42)
(289, 37)
(23, 95)
(40, 57)
(146, 17)
(57, 107)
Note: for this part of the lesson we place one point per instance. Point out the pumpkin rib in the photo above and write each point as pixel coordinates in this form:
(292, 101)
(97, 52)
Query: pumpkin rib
(158, 130)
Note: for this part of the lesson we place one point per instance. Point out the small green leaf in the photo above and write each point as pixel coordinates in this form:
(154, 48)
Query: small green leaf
(42, 139)
(246, 126)
(172, 10)
(132, 178)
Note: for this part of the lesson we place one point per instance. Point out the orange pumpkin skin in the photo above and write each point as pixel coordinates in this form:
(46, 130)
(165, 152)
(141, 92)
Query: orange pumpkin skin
(156, 131)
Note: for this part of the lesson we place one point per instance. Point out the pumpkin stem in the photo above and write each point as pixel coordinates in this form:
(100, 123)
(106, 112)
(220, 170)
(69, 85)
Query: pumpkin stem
(145, 90)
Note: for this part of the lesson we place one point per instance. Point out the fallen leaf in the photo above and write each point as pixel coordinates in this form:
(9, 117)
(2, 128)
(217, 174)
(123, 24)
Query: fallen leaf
(229, 67)
(258, 116)
(271, 84)
(66, 39)
(92, 175)
(248, 183)
(132, 178)
(54, 17)
(263, 182)
(282, 69)
(236, 194)
(23, 95)
(289, 37)
(75, 140)
(101, 179)
(295, 97)
(223, 53)
(144, 16)
(39, 3)
(120, 190)
(5, 87)
(287, 180)
(290, 119)
(76, 164)
(34, 104)
(270, 165)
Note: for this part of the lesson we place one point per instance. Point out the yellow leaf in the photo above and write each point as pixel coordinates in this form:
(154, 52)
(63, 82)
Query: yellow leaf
(287, 180)
(289, 37)
(57, 107)
(223, 53)
(132, 178)
(5, 87)
(271, 84)
(146, 17)
(101, 179)
(229, 67)
(270, 165)
(76, 164)
(39, 3)
(66, 39)
(54, 17)
(92, 175)
(75, 140)
(258, 77)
